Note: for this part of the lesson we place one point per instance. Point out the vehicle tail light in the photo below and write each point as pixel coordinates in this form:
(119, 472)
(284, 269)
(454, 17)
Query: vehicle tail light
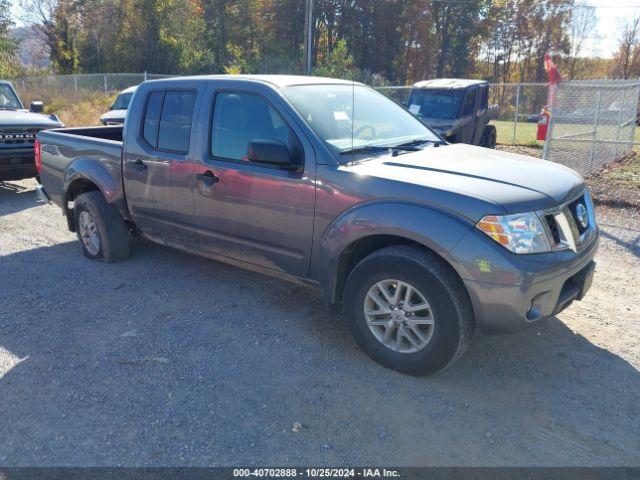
(38, 155)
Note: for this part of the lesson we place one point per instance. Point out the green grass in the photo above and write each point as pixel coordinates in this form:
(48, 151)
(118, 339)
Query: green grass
(526, 133)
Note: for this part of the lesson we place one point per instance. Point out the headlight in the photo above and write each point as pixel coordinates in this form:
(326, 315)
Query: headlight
(519, 233)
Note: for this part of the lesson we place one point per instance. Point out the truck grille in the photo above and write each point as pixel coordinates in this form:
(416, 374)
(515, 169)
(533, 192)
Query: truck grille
(18, 137)
(569, 226)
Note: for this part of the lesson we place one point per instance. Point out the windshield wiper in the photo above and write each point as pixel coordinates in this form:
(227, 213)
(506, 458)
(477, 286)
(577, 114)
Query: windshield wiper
(366, 149)
(413, 144)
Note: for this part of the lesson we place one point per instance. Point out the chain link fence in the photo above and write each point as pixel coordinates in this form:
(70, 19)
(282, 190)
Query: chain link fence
(49, 87)
(592, 123)
(519, 105)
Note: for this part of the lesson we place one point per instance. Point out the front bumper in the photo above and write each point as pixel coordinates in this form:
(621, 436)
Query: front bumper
(17, 163)
(510, 308)
(510, 292)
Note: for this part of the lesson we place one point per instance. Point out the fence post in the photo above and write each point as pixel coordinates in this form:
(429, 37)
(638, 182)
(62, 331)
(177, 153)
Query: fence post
(624, 95)
(635, 93)
(145, 75)
(105, 83)
(75, 84)
(595, 130)
(517, 111)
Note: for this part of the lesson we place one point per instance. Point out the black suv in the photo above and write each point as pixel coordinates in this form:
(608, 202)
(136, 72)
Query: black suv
(18, 129)
(457, 109)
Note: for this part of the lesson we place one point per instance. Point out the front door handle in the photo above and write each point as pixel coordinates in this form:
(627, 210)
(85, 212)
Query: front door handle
(207, 178)
(139, 166)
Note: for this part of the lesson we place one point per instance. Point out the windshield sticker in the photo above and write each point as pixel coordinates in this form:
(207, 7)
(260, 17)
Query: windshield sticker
(341, 116)
(414, 108)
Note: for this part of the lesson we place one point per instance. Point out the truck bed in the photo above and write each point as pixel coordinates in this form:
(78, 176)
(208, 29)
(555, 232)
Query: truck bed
(111, 132)
(63, 148)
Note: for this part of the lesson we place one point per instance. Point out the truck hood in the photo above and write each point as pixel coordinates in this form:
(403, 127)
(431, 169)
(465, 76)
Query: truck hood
(440, 125)
(517, 183)
(24, 118)
(114, 116)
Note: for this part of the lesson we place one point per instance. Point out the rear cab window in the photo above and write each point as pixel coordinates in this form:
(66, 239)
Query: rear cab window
(168, 120)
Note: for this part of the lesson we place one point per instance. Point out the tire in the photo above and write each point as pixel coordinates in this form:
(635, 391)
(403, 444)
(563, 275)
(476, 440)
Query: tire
(489, 136)
(110, 229)
(449, 304)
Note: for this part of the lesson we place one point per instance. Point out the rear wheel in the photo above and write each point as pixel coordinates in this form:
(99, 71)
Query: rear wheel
(408, 310)
(489, 136)
(103, 234)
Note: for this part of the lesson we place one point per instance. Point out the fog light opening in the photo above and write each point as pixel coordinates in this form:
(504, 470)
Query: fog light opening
(537, 306)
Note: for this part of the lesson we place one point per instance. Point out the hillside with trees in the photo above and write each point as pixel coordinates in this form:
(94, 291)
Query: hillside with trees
(383, 41)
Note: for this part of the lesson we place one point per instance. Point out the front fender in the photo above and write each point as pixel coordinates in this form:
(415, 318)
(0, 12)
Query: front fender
(438, 230)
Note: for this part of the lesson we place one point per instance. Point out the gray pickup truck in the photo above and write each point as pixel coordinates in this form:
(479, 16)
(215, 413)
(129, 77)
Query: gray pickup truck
(18, 129)
(331, 184)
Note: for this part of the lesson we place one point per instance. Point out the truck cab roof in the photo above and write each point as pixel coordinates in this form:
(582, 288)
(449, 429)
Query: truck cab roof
(449, 83)
(276, 81)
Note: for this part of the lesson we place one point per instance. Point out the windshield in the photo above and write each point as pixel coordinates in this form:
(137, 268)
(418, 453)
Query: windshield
(427, 103)
(122, 102)
(354, 116)
(8, 98)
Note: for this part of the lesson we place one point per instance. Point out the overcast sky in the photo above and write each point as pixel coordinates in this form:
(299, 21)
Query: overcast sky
(610, 14)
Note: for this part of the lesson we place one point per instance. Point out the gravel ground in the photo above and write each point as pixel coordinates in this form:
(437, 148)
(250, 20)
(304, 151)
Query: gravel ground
(169, 359)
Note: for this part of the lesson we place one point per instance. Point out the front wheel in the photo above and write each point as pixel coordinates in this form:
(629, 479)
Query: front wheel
(103, 234)
(408, 310)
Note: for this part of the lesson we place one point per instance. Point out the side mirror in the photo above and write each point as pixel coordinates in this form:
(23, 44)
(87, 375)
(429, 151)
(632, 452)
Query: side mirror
(36, 107)
(270, 152)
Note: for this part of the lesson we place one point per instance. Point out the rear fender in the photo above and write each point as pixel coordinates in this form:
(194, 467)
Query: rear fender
(92, 170)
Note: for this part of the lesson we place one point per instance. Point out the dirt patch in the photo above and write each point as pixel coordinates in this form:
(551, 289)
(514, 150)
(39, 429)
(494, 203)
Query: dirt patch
(522, 150)
(168, 358)
(616, 185)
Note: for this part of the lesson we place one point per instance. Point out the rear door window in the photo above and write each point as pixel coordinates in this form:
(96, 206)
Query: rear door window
(168, 119)
(484, 99)
(469, 103)
(176, 120)
(152, 118)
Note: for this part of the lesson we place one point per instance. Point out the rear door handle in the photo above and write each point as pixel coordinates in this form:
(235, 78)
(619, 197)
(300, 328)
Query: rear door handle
(207, 178)
(139, 166)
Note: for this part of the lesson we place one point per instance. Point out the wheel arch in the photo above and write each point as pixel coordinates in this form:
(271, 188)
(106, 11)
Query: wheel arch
(346, 243)
(86, 174)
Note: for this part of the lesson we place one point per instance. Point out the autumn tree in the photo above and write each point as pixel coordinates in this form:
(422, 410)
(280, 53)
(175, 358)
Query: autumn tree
(8, 46)
(56, 21)
(396, 41)
(626, 62)
(582, 29)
